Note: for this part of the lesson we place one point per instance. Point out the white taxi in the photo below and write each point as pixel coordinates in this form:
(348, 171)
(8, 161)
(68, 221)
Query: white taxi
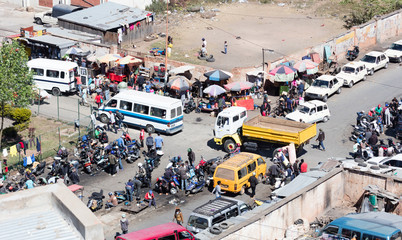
(310, 112)
(374, 61)
(352, 73)
(323, 87)
(394, 53)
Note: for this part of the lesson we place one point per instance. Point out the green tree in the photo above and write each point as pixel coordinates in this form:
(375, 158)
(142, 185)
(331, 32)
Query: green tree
(15, 79)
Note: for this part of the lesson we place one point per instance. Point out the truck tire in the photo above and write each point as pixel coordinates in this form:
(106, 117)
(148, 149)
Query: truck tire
(104, 118)
(229, 145)
(56, 91)
(150, 128)
(215, 230)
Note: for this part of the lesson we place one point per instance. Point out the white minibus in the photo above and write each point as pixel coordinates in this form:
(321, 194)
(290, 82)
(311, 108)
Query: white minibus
(54, 75)
(141, 109)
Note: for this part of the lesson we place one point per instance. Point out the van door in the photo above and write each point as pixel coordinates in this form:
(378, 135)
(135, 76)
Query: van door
(261, 166)
(84, 76)
(320, 114)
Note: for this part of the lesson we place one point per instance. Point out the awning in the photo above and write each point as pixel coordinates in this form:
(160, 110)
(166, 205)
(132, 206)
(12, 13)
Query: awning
(52, 41)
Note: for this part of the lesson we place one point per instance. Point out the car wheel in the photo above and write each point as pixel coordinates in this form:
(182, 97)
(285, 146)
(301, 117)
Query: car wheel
(104, 118)
(150, 128)
(325, 119)
(173, 191)
(242, 190)
(371, 72)
(325, 98)
(400, 60)
(364, 78)
(350, 84)
(339, 90)
(56, 91)
(38, 21)
(386, 66)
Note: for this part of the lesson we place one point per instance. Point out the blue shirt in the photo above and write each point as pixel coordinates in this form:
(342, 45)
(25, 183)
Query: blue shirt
(29, 184)
(158, 141)
(120, 142)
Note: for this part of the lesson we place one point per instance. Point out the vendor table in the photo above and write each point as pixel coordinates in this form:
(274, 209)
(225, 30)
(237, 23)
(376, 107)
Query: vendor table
(116, 78)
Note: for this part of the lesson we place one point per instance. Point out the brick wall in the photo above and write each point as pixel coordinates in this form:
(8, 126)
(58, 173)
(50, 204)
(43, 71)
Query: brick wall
(85, 3)
(46, 3)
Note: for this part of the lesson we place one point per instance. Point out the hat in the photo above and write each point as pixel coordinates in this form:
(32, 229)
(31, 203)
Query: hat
(123, 215)
(150, 191)
(110, 111)
(189, 150)
(203, 39)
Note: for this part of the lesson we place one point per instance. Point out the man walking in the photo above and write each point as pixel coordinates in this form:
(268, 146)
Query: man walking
(158, 142)
(253, 184)
(217, 190)
(112, 122)
(225, 47)
(120, 118)
(191, 156)
(124, 223)
(142, 137)
(320, 139)
(149, 142)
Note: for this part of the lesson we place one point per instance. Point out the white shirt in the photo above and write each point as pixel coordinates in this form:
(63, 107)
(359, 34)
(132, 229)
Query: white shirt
(205, 43)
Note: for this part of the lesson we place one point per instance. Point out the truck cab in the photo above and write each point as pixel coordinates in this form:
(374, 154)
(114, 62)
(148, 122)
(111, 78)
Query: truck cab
(229, 121)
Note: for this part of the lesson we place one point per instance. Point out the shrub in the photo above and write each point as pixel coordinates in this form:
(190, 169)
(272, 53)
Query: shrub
(7, 110)
(21, 126)
(21, 115)
(10, 132)
(156, 6)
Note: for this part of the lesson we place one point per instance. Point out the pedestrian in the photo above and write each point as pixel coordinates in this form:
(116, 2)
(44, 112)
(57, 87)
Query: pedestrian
(320, 139)
(183, 170)
(387, 116)
(124, 223)
(221, 103)
(253, 184)
(29, 184)
(119, 118)
(137, 187)
(142, 137)
(300, 88)
(296, 167)
(217, 190)
(129, 190)
(204, 42)
(79, 84)
(158, 142)
(106, 91)
(150, 198)
(191, 156)
(112, 122)
(273, 172)
(84, 96)
(225, 47)
(98, 100)
(149, 142)
(303, 166)
(178, 216)
(112, 161)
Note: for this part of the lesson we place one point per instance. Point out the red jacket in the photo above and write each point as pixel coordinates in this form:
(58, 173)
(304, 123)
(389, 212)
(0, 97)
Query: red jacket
(149, 196)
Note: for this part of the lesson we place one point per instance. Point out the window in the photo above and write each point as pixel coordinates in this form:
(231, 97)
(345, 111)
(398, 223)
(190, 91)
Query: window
(124, 105)
(235, 118)
(251, 167)
(319, 108)
(371, 237)
(52, 74)
(197, 222)
(38, 71)
(222, 121)
(218, 219)
(260, 161)
(172, 113)
(346, 233)
(243, 114)
(394, 163)
(62, 75)
(184, 235)
(139, 108)
(158, 112)
(382, 57)
(112, 103)
(170, 237)
(232, 213)
(325, 107)
(242, 173)
(225, 174)
(179, 111)
(331, 230)
(397, 236)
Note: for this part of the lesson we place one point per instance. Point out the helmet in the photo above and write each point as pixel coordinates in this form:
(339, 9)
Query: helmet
(203, 39)
(110, 193)
(139, 164)
(189, 150)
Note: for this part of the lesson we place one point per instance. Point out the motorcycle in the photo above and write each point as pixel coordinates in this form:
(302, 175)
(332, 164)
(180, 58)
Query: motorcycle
(133, 151)
(189, 106)
(352, 54)
(194, 186)
(152, 159)
(39, 169)
(175, 161)
(144, 179)
(95, 201)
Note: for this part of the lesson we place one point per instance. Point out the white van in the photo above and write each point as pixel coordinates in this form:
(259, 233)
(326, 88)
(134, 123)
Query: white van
(54, 75)
(141, 109)
(310, 112)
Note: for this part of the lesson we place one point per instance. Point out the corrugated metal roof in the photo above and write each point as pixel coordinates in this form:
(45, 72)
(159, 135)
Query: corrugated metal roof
(41, 225)
(73, 34)
(105, 16)
(52, 40)
(301, 181)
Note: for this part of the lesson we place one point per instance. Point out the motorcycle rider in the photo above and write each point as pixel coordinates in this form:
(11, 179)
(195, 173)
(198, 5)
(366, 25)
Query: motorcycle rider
(143, 175)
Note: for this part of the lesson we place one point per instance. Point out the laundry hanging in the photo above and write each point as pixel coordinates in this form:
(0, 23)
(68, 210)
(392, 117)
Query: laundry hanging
(13, 151)
(38, 147)
(5, 153)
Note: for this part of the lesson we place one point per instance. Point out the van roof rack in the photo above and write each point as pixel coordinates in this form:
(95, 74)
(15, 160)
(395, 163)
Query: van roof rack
(215, 206)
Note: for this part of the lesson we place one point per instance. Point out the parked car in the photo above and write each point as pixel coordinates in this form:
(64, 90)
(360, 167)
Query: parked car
(394, 53)
(50, 17)
(394, 162)
(351, 73)
(374, 61)
(310, 112)
(323, 87)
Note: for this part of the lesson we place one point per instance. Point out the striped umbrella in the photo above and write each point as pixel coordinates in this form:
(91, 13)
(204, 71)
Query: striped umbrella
(306, 65)
(179, 83)
(109, 58)
(283, 73)
(217, 75)
(238, 86)
(128, 59)
(214, 90)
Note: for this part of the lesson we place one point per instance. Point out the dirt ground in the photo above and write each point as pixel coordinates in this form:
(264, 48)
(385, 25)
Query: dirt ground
(249, 27)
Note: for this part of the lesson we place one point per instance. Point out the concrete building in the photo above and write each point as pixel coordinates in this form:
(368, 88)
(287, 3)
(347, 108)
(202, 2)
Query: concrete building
(115, 23)
(47, 212)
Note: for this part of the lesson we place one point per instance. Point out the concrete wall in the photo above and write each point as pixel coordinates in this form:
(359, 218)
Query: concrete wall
(312, 201)
(55, 196)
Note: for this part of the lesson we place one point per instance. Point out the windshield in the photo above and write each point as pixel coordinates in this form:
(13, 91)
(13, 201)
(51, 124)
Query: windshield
(369, 59)
(222, 121)
(303, 109)
(348, 70)
(197, 222)
(320, 83)
(396, 47)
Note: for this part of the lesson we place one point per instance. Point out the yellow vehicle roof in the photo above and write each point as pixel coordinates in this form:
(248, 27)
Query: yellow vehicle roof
(239, 159)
